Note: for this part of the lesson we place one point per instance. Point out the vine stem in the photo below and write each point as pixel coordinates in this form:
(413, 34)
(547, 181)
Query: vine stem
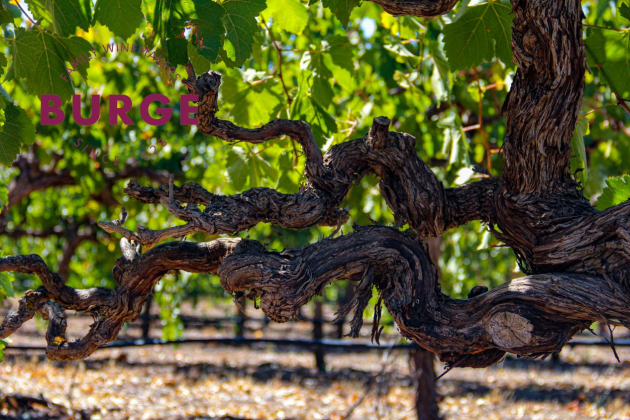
(622, 102)
(281, 77)
(27, 16)
(596, 109)
(279, 52)
(608, 29)
(484, 135)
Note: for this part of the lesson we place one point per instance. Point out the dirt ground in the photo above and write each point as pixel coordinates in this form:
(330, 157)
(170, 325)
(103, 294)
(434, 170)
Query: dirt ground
(206, 382)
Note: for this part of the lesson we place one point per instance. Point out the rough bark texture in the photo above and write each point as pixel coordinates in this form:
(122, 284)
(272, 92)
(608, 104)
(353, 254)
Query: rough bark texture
(576, 257)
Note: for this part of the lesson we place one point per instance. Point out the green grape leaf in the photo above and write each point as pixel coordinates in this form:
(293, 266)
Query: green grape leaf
(240, 24)
(38, 10)
(11, 137)
(322, 123)
(481, 32)
(3, 345)
(579, 149)
(243, 97)
(341, 9)
(322, 92)
(176, 51)
(287, 15)
(40, 57)
(595, 47)
(200, 64)
(616, 192)
(442, 78)
(3, 63)
(286, 182)
(237, 167)
(610, 52)
(5, 16)
(122, 17)
(339, 58)
(269, 171)
(4, 195)
(6, 287)
(315, 62)
(3, 105)
(28, 129)
(463, 6)
(168, 17)
(75, 51)
(624, 10)
(208, 29)
(66, 15)
(440, 60)
(455, 144)
(324, 120)
(341, 52)
(12, 9)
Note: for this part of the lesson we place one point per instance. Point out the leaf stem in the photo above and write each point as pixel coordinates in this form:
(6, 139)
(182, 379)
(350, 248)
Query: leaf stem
(595, 110)
(279, 52)
(421, 47)
(484, 135)
(608, 29)
(622, 102)
(27, 16)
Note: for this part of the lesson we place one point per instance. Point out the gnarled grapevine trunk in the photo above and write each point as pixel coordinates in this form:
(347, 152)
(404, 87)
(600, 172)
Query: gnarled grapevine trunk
(577, 259)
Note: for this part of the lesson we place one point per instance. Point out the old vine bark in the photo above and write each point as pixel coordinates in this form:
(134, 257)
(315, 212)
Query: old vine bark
(576, 258)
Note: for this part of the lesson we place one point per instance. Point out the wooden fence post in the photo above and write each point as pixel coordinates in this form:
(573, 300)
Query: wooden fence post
(241, 315)
(318, 334)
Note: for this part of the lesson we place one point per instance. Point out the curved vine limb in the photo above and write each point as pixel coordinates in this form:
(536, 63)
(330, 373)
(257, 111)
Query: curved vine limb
(531, 316)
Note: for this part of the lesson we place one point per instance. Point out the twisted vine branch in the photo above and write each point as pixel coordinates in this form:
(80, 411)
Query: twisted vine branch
(578, 257)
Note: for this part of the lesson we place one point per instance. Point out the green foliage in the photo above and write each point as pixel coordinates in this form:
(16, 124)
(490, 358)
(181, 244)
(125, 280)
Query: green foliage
(208, 34)
(579, 148)
(67, 15)
(40, 57)
(167, 18)
(6, 288)
(609, 51)
(63, 16)
(238, 169)
(616, 192)
(480, 33)
(472, 257)
(123, 17)
(4, 195)
(288, 15)
(5, 15)
(16, 130)
(341, 9)
(169, 298)
(240, 25)
(3, 345)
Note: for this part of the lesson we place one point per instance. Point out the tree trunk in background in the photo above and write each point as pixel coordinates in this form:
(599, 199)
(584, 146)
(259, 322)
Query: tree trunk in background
(241, 314)
(423, 361)
(318, 334)
(146, 318)
(424, 385)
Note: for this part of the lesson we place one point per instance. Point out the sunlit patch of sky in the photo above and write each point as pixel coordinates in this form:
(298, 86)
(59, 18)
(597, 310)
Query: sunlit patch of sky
(368, 26)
